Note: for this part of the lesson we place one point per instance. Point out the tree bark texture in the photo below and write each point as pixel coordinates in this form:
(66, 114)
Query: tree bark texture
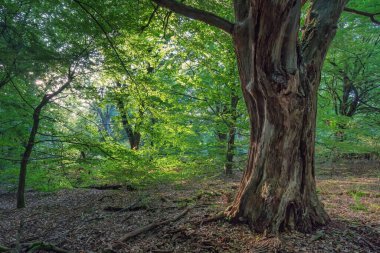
(280, 78)
(279, 74)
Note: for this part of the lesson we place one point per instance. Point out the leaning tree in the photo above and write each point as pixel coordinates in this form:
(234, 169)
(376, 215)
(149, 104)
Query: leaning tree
(280, 72)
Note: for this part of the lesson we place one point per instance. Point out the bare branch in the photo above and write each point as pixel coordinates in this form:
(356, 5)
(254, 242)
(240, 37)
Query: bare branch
(150, 19)
(193, 13)
(363, 13)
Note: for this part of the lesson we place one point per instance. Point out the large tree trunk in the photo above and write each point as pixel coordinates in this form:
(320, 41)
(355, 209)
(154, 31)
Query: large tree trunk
(279, 78)
(279, 82)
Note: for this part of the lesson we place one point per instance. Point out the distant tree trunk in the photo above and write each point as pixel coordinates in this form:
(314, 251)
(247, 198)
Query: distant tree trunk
(134, 136)
(106, 118)
(279, 79)
(221, 109)
(230, 152)
(350, 99)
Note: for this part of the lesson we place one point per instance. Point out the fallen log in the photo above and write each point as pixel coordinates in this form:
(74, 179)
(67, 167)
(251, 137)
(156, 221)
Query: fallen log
(105, 187)
(152, 226)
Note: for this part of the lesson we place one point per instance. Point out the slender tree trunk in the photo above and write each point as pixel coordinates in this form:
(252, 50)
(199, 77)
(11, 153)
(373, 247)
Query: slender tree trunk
(27, 152)
(31, 141)
(230, 152)
(228, 165)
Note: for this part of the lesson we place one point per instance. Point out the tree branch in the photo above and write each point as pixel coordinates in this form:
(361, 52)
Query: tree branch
(193, 13)
(363, 13)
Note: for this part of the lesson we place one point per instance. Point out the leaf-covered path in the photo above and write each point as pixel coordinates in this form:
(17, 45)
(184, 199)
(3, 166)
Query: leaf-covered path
(90, 220)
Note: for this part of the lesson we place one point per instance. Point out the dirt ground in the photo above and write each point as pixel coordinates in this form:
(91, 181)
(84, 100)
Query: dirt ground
(89, 220)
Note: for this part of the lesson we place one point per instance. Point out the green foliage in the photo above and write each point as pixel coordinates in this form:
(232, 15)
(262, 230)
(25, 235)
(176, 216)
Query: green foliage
(357, 196)
(171, 79)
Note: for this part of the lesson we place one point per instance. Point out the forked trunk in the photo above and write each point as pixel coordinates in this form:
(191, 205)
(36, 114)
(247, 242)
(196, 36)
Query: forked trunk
(279, 82)
(279, 77)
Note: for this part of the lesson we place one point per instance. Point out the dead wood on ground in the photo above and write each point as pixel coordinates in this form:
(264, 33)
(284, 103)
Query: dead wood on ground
(152, 226)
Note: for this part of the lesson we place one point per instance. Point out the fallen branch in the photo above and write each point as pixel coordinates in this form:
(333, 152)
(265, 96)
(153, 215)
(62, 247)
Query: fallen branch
(152, 226)
(132, 207)
(121, 209)
(32, 247)
(45, 246)
(4, 249)
(105, 187)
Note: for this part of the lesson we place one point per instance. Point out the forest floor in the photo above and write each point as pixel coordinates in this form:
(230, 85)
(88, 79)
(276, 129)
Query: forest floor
(90, 220)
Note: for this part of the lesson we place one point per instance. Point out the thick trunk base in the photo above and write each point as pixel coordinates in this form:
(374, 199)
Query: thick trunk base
(278, 189)
(291, 210)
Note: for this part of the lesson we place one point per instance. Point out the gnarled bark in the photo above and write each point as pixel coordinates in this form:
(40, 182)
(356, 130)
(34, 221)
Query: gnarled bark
(279, 79)
(279, 82)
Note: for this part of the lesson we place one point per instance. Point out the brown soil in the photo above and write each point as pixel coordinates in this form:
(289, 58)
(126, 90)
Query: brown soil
(77, 220)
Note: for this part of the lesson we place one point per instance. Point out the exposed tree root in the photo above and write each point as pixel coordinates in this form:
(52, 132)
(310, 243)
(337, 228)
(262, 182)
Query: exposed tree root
(152, 226)
(218, 216)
